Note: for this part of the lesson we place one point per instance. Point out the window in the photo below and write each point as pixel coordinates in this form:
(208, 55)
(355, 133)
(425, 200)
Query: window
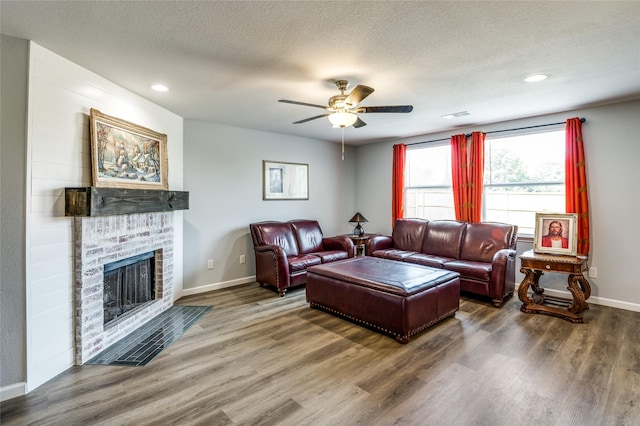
(428, 188)
(524, 174)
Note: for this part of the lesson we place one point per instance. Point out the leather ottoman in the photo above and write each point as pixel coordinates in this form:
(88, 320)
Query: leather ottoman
(397, 298)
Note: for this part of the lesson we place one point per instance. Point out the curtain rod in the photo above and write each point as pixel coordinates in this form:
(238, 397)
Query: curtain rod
(582, 120)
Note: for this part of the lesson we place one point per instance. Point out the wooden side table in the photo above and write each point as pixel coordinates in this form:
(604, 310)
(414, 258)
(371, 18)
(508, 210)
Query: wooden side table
(533, 265)
(359, 241)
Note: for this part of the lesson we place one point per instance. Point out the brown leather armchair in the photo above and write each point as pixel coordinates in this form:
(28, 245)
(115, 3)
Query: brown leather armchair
(284, 251)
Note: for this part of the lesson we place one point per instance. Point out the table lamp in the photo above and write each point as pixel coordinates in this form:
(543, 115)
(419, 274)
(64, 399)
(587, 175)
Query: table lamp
(358, 231)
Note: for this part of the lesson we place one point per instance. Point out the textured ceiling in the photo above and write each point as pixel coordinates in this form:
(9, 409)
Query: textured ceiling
(229, 62)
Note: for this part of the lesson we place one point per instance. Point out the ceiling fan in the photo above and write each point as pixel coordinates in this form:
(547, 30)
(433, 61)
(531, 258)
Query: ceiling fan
(343, 108)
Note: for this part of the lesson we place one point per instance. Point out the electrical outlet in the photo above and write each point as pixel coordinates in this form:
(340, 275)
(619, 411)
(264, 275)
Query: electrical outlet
(210, 264)
(243, 259)
(593, 272)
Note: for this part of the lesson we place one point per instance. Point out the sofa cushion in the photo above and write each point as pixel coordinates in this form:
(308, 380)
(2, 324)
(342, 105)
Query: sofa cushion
(408, 234)
(428, 260)
(443, 238)
(331, 255)
(302, 262)
(482, 240)
(470, 269)
(308, 235)
(393, 254)
(276, 234)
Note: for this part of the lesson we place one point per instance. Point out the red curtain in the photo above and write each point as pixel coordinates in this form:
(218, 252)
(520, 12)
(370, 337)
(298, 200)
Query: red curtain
(476, 177)
(397, 195)
(577, 200)
(467, 170)
(459, 175)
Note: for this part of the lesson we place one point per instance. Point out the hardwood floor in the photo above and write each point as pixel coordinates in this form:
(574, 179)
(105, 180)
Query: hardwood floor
(259, 359)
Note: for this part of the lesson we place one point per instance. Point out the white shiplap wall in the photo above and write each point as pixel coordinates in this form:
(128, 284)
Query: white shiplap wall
(58, 156)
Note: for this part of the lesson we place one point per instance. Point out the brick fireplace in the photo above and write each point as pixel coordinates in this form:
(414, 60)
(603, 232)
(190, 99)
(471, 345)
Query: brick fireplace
(105, 239)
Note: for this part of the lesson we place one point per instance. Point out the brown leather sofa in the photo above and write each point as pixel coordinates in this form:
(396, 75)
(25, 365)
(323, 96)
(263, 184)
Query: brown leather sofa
(284, 251)
(483, 253)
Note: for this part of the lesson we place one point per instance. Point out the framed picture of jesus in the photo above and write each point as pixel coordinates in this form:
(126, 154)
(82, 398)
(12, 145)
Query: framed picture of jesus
(556, 233)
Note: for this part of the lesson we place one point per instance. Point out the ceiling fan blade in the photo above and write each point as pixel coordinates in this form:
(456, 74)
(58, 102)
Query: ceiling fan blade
(309, 119)
(359, 123)
(357, 95)
(302, 103)
(389, 108)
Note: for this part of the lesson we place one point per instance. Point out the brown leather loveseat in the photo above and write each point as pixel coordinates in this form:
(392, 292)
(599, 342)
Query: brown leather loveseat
(284, 251)
(483, 253)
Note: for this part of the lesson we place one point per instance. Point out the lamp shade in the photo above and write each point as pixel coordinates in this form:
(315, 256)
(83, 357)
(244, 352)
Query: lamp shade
(358, 218)
(342, 119)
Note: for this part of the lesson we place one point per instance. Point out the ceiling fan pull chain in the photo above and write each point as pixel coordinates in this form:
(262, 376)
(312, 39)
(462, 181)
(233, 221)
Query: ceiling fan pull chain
(342, 143)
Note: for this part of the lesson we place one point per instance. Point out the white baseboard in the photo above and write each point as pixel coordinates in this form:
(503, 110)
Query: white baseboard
(635, 307)
(218, 286)
(13, 391)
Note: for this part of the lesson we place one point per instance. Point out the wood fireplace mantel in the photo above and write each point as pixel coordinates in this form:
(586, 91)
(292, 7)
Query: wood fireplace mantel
(94, 201)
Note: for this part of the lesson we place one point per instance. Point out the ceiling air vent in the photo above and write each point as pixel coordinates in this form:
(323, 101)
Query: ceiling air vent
(455, 115)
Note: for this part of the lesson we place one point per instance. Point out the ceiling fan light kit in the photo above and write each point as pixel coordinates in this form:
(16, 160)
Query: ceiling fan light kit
(342, 119)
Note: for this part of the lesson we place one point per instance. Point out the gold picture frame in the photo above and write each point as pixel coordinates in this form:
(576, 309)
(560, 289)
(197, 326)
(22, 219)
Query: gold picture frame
(556, 233)
(126, 155)
(285, 181)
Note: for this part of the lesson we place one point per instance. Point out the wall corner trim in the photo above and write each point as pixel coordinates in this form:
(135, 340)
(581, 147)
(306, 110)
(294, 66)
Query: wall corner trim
(13, 391)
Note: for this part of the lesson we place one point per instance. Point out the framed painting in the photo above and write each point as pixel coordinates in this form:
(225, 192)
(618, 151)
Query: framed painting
(285, 181)
(125, 155)
(556, 233)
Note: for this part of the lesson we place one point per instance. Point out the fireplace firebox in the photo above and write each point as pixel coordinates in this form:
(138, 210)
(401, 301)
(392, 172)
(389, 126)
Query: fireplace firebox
(128, 284)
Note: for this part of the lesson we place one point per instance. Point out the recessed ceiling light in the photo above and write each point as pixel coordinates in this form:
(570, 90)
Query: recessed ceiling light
(160, 88)
(455, 114)
(536, 77)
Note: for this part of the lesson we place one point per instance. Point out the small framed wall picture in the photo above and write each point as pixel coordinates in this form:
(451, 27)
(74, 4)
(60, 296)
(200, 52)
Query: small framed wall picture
(285, 181)
(556, 233)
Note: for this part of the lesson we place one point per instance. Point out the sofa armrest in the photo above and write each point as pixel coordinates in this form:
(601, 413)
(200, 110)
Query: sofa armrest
(377, 242)
(503, 273)
(339, 242)
(271, 266)
(504, 256)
